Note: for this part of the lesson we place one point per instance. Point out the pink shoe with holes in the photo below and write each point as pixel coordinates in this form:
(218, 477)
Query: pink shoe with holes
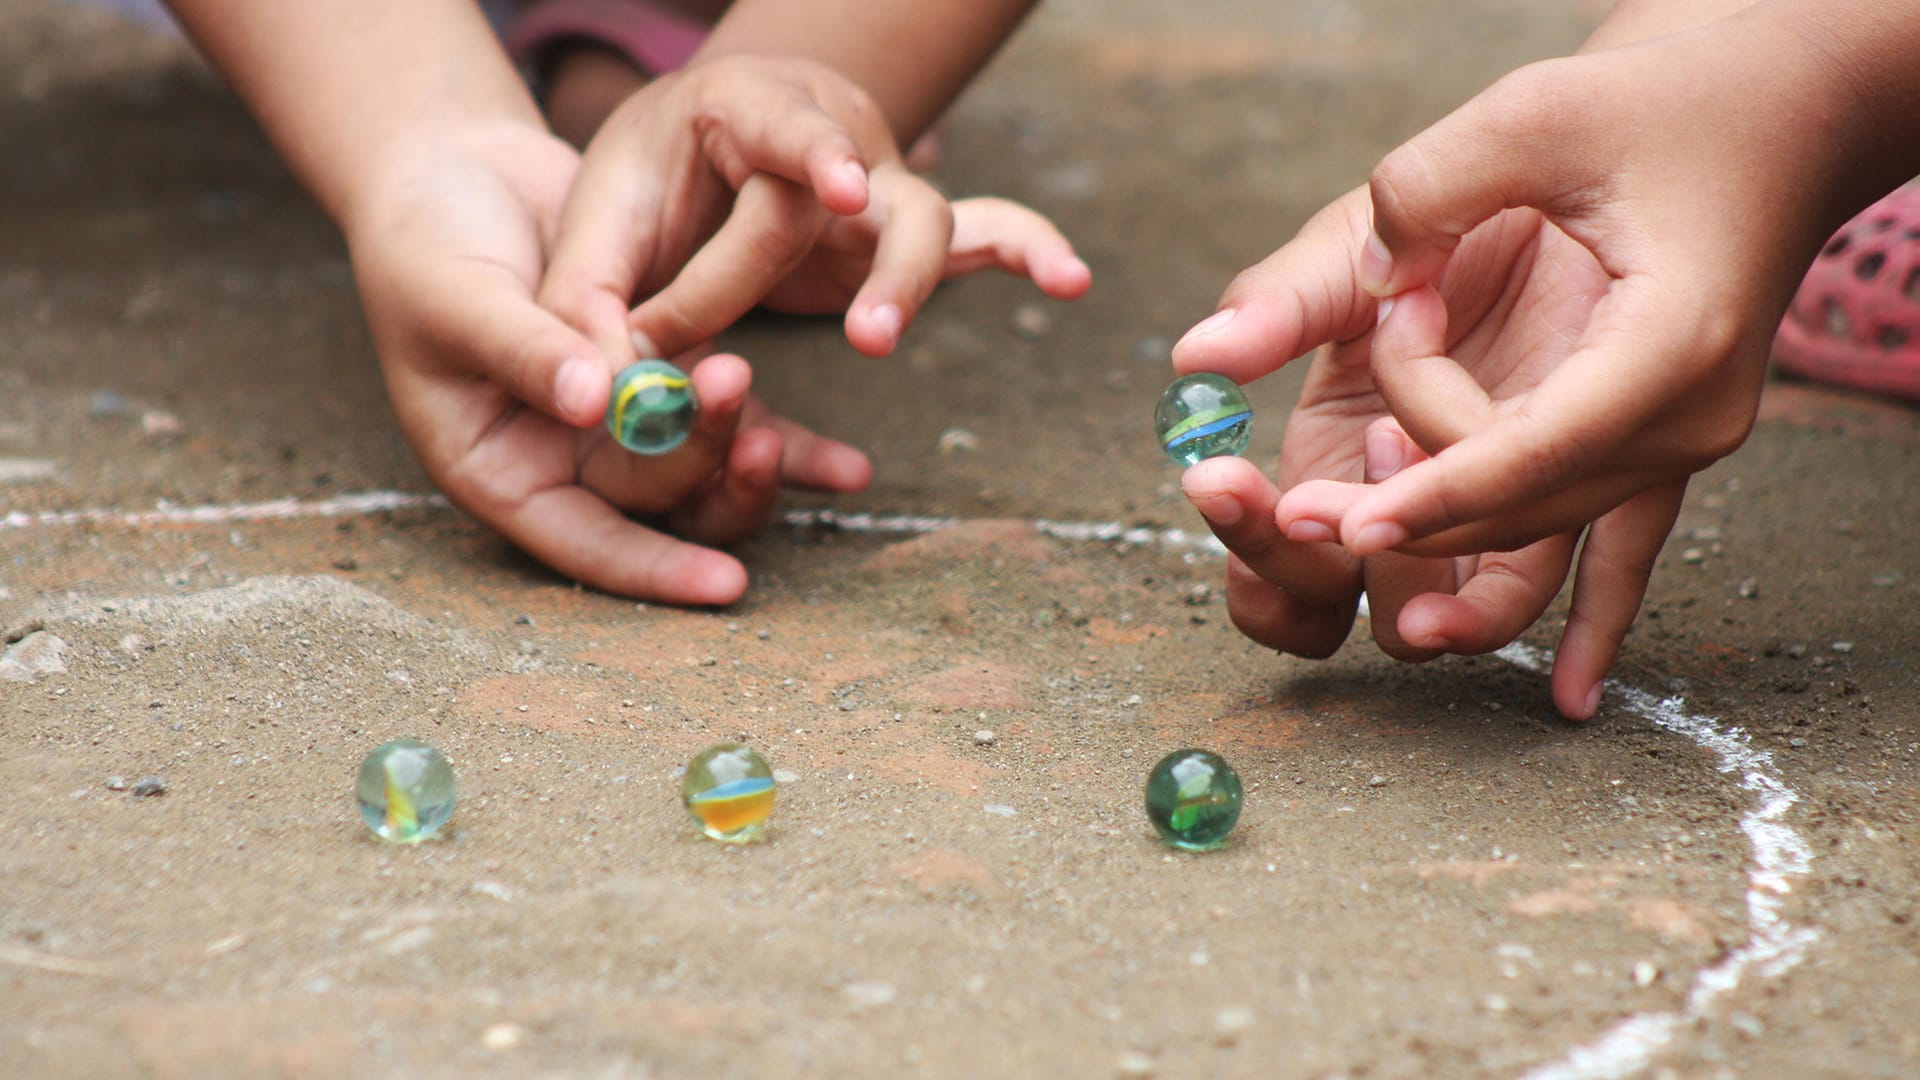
(1856, 319)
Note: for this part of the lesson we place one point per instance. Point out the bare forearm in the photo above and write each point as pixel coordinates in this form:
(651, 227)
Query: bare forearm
(340, 84)
(913, 56)
(1838, 72)
(1868, 49)
(1638, 20)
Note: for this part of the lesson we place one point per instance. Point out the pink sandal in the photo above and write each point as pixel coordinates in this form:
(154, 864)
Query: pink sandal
(656, 38)
(1856, 319)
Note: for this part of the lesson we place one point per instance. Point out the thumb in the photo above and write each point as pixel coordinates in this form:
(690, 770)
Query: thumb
(1293, 301)
(772, 227)
(489, 323)
(1519, 143)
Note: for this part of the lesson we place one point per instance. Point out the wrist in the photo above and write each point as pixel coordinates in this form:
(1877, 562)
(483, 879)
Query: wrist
(1637, 20)
(1862, 55)
(383, 194)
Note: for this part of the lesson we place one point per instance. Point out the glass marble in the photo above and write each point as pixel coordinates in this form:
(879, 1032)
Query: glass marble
(1193, 799)
(406, 791)
(729, 791)
(1202, 416)
(652, 407)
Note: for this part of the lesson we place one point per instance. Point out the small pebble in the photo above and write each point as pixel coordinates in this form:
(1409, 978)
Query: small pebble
(1843, 647)
(1378, 781)
(1749, 589)
(106, 404)
(116, 783)
(35, 655)
(1152, 350)
(958, 440)
(160, 426)
(983, 737)
(1645, 973)
(1747, 1024)
(26, 470)
(505, 1035)
(1031, 321)
(1693, 555)
(868, 995)
(1231, 1023)
(1134, 1063)
(150, 786)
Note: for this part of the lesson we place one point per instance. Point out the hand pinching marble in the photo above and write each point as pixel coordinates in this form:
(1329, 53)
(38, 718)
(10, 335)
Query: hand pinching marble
(1193, 799)
(1201, 416)
(652, 407)
(406, 791)
(729, 791)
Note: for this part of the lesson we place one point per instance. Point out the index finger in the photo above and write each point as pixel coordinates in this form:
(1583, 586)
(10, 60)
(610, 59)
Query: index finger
(579, 534)
(773, 225)
(1300, 297)
(1566, 432)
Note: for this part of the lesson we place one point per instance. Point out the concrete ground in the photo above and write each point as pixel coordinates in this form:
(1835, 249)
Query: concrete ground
(1434, 875)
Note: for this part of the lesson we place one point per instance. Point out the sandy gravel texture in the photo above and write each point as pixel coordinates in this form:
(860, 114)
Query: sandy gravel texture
(1434, 876)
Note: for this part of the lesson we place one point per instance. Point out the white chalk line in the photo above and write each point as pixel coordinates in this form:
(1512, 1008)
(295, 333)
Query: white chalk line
(1780, 854)
(165, 513)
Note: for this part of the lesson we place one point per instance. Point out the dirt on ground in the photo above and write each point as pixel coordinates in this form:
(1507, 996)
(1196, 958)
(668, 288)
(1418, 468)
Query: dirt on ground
(1434, 874)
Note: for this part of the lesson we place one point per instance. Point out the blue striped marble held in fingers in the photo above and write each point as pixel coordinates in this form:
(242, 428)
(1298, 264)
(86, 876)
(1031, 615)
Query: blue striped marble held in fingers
(1201, 416)
(652, 407)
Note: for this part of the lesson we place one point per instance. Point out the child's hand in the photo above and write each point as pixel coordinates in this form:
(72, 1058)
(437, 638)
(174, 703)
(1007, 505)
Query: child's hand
(1517, 291)
(753, 180)
(493, 391)
(1574, 367)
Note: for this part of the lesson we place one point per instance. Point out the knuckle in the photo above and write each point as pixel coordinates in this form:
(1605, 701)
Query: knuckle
(1533, 101)
(1396, 186)
(671, 325)
(778, 247)
(568, 300)
(487, 493)
(859, 111)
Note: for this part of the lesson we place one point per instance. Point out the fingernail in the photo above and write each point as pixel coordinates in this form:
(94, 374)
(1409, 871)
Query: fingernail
(887, 318)
(1218, 507)
(1309, 531)
(573, 388)
(1382, 310)
(1386, 455)
(1376, 264)
(1593, 697)
(643, 345)
(1212, 324)
(856, 175)
(1079, 266)
(1377, 537)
